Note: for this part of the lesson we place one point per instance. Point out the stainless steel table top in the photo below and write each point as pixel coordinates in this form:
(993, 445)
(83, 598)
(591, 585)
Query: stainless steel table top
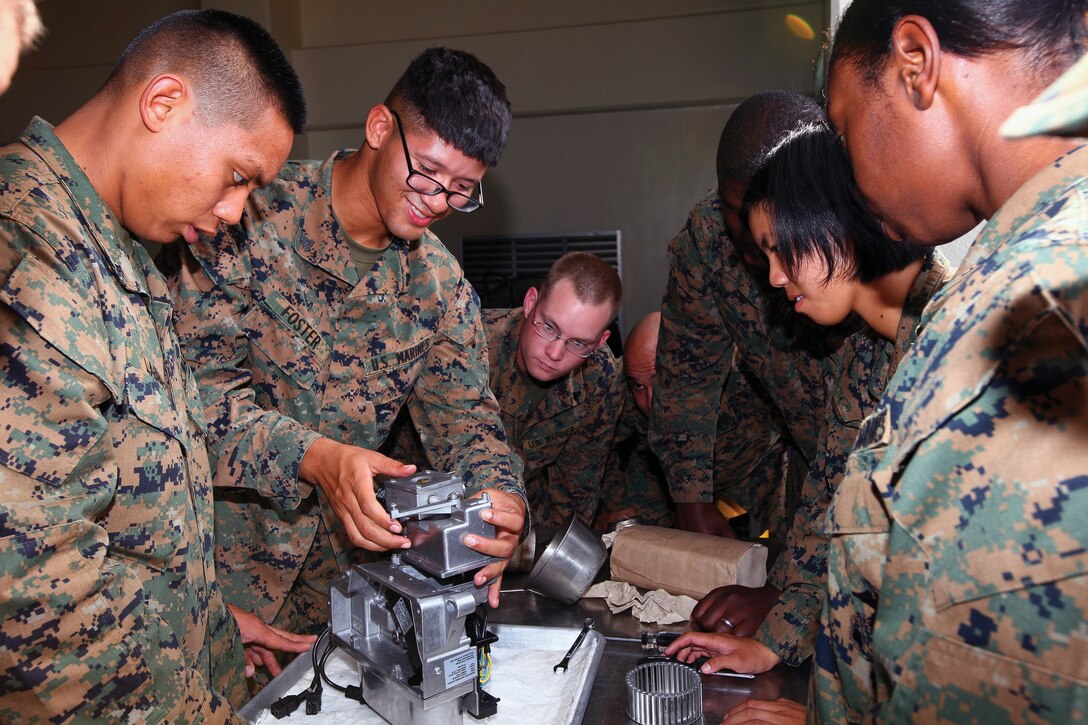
(607, 702)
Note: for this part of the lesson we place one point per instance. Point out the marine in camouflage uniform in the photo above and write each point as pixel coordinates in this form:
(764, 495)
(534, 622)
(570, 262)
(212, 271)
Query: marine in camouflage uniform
(868, 362)
(290, 344)
(563, 439)
(108, 595)
(714, 315)
(956, 585)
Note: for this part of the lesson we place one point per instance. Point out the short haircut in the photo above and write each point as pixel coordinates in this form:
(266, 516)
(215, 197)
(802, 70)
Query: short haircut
(28, 22)
(755, 126)
(807, 185)
(594, 280)
(235, 67)
(455, 95)
(1051, 33)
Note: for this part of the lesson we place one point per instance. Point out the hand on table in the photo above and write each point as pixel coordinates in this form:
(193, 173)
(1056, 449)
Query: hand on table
(261, 641)
(745, 608)
(346, 475)
(740, 654)
(703, 518)
(507, 515)
(766, 712)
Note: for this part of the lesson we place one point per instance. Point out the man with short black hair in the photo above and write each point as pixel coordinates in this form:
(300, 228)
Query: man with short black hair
(108, 596)
(715, 311)
(327, 310)
(736, 381)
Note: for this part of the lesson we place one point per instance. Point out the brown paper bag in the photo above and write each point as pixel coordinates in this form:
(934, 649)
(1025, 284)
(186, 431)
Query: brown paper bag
(684, 562)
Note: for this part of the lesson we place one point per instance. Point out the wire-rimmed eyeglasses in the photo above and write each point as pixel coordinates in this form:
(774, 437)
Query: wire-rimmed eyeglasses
(551, 334)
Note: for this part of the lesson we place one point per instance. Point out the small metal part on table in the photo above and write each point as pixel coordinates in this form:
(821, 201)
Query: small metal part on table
(586, 627)
(664, 692)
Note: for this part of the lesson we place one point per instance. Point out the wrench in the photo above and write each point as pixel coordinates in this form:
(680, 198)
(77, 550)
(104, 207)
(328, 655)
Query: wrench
(588, 625)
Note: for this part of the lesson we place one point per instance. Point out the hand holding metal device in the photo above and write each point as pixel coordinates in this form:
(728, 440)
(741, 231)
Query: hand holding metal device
(416, 622)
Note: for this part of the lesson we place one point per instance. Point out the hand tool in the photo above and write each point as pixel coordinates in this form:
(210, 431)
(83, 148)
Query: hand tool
(588, 625)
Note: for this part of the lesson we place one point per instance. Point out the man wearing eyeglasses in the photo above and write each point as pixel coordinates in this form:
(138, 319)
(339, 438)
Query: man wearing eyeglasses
(323, 313)
(558, 384)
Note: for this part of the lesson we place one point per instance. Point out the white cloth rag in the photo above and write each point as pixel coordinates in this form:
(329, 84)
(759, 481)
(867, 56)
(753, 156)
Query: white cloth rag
(654, 606)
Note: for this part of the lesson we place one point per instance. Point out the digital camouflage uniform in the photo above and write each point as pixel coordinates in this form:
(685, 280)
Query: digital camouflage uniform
(634, 481)
(288, 344)
(956, 582)
(108, 598)
(563, 441)
(715, 310)
(868, 362)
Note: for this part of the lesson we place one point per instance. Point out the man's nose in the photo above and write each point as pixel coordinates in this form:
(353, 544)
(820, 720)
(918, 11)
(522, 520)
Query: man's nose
(230, 207)
(438, 205)
(556, 349)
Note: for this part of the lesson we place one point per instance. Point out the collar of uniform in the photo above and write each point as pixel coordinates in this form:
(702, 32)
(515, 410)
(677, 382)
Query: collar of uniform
(1028, 201)
(935, 272)
(116, 244)
(320, 240)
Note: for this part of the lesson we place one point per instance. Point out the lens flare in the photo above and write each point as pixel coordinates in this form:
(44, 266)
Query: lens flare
(799, 27)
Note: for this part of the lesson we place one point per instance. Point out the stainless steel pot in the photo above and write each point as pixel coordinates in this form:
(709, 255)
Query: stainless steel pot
(569, 564)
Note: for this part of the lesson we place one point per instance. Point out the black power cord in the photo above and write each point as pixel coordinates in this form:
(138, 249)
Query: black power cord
(352, 692)
(287, 704)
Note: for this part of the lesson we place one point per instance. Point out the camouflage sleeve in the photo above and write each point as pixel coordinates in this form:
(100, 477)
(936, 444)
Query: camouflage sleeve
(580, 466)
(694, 358)
(634, 484)
(79, 641)
(748, 430)
(250, 447)
(800, 571)
(453, 409)
(614, 481)
(985, 591)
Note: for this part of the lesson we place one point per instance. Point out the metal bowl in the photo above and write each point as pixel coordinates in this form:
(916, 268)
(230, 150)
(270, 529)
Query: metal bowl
(569, 564)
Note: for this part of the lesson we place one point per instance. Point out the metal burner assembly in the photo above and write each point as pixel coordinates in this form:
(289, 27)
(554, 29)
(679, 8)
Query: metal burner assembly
(416, 623)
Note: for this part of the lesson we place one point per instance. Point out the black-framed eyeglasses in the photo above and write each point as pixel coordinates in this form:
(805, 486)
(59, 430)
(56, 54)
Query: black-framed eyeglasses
(551, 334)
(430, 187)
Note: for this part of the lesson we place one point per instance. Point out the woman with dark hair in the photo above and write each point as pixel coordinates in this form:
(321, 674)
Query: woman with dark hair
(956, 584)
(832, 260)
(823, 246)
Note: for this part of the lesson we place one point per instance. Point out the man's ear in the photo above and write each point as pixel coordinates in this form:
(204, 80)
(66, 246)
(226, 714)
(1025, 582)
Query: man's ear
(531, 298)
(916, 56)
(380, 124)
(162, 98)
(602, 339)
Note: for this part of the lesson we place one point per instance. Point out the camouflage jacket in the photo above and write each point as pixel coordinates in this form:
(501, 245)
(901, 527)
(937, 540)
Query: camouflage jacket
(564, 440)
(956, 568)
(288, 344)
(108, 598)
(868, 363)
(634, 481)
(715, 306)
